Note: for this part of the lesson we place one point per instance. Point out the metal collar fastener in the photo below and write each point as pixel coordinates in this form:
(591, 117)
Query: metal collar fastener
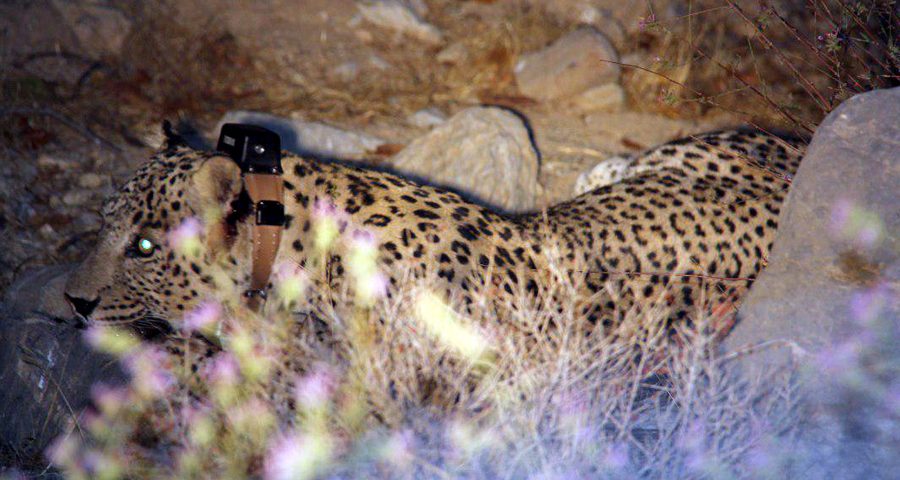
(257, 151)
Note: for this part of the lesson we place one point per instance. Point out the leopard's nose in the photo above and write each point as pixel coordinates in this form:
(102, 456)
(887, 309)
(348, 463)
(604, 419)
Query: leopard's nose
(82, 306)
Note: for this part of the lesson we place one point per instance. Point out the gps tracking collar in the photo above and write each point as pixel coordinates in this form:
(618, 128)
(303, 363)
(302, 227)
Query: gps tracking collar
(257, 151)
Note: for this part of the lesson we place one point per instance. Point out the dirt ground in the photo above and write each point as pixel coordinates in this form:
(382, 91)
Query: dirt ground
(82, 103)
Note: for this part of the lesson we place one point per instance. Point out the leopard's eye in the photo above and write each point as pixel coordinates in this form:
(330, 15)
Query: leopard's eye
(144, 247)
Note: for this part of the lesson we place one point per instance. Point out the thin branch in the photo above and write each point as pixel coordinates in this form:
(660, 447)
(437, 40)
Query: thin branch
(807, 85)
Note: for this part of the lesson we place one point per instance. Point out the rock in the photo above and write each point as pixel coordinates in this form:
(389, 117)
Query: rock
(485, 152)
(74, 198)
(427, 118)
(605, 98)
(346, 71)
(39, 290)
(48, 162)
(571, 65)
(29, 28)
(839, 235)
(101, 29)
(453, 54)
(46, 370)
(88, 222)
(379, 63)
(639, 130)
(309, 138)
(398, 16)
(829, 301)
(92, 180)
(600, 15)
(47, 232)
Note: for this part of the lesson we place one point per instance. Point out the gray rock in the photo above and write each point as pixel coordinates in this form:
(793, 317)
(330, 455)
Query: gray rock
(839, 235)
(309, 138)
(828, 305)
(46, 370)
(34, 28)
(829, 302)
(400, 17)
(571, 65)
(486, 152)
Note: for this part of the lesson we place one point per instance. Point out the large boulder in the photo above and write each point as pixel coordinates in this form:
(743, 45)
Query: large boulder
(839, 235)
(484, 152)
(46, 370)
(828, 306)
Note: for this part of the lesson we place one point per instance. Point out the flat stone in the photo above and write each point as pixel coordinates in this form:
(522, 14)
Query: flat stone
(74, 198)
(396, 15)
(309, 138)
(484, 152)
(571, 65)
(453, 54)
(92, 180)
(427, 118)
(605, 98)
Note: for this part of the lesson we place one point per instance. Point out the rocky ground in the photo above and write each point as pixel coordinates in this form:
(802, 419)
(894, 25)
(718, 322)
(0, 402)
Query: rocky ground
(509, 101)
(83, 100)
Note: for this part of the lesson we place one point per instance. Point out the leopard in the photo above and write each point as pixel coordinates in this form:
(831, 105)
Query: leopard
(688, 224)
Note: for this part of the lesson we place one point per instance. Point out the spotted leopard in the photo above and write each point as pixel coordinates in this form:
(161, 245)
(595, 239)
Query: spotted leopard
(688, 225)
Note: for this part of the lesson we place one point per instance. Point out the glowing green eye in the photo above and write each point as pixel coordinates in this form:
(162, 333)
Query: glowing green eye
(145, 247)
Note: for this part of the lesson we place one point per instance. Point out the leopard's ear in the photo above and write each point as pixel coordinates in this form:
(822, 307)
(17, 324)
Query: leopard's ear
(217, 195)
(173, 139)
(215, 185)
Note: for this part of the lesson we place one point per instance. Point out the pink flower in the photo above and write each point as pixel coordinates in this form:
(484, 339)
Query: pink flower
(647, 21)
(186, 237)
(204, 315)
(296, 456)
(148, 369)
(616, 456)
(325, 208)
(314, 389)
(222, 369)
(109, 398)
(398, 449)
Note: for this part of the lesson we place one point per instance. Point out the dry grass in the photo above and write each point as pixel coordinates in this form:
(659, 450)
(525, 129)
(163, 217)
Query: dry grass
(775, 64)
(384, 396)
(408, 386)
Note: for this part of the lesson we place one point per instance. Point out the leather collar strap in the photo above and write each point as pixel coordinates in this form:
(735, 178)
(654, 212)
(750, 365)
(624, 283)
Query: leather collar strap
(257, 151)
(267, 193)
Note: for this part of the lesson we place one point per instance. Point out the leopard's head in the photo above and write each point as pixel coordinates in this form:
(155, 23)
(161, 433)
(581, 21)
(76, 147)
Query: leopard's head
(171, 237)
